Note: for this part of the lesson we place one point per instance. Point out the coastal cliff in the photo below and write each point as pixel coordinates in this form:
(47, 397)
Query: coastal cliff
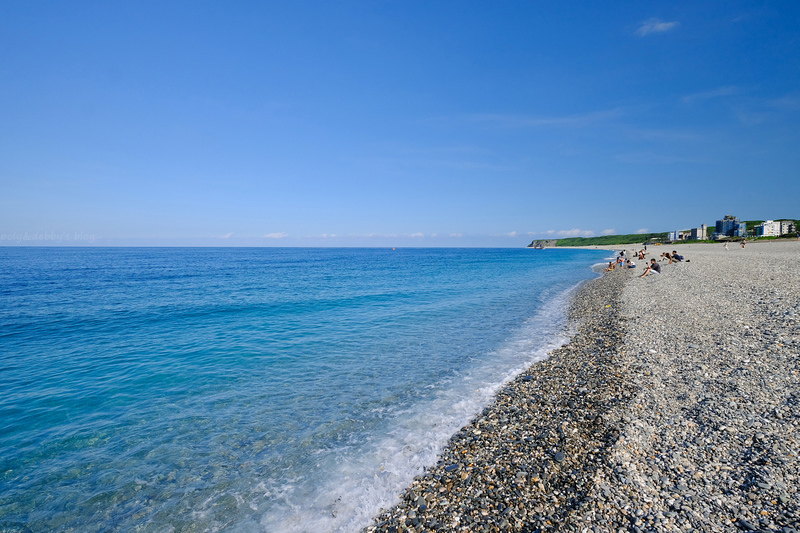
(543, 243)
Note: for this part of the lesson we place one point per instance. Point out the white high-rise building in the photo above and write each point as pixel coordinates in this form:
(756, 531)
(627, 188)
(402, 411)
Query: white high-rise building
(699, 233)
(768, 228)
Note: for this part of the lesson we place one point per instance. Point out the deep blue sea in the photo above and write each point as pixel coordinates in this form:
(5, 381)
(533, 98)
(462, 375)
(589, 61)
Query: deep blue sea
(253, 390)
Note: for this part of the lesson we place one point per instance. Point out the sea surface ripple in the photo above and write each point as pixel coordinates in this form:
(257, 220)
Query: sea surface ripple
(269, 389)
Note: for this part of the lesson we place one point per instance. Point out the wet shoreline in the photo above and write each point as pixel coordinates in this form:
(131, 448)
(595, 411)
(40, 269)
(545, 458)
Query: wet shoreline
(675, 407)
(528, 460)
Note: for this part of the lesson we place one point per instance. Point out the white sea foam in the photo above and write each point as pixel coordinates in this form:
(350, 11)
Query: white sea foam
(361, 481)
(278, 390)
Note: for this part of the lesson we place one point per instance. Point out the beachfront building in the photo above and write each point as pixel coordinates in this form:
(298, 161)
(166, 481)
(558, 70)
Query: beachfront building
(768, 228)
(699, 234)
(694, 234)
(730, 226)
(787, 226)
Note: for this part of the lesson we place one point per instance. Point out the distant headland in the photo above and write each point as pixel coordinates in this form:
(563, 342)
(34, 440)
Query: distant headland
(603, 240)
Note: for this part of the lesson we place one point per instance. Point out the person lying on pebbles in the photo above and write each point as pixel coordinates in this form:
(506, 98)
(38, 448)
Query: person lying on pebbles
(675, 258)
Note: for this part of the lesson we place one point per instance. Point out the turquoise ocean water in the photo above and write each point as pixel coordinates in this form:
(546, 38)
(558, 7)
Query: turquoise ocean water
(252, 390)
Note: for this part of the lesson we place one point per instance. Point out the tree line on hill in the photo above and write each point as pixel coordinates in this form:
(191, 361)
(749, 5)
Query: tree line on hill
(605, 240)
(633, 238)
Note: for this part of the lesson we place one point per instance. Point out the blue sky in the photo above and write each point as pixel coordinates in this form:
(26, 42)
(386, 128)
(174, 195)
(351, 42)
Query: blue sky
(392, 123)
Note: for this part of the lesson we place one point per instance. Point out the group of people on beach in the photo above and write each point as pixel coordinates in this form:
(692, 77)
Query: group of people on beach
(744, 241)
(622, 261)
(673, 257)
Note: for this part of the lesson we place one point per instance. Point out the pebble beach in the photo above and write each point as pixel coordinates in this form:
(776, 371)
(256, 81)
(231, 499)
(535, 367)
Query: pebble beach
(674, 407)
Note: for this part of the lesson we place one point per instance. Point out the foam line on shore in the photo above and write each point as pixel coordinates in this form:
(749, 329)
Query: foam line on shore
(361, 483)
(674, 407)
(523, 460)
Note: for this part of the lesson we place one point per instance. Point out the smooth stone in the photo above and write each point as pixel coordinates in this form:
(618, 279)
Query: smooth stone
(746, 525)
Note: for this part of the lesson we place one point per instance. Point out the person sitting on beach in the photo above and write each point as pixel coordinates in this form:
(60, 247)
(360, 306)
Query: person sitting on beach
(674, 258)
(641, 255)
(631, 264)
(610, 267)
(652, 267)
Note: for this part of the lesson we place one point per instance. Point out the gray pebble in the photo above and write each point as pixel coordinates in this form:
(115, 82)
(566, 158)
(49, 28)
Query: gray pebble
(678, 415)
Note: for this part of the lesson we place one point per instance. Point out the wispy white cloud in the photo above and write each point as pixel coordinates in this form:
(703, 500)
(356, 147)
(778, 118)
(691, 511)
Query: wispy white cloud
(753, 118)
(728, 90)
(669, 135)
(653, 158)
(378, 235)
(642, 230)
(452, 160)
(787, 103)
(524, 121)
(513, 234)
(575, 232)
(227, 236)
(655, 25)
(276, 235)
(457, 235)
(610, 231)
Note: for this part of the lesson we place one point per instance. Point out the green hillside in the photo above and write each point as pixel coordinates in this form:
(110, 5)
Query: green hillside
(605, 240)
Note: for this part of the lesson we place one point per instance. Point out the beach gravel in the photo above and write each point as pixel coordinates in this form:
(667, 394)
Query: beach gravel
(675, 407)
